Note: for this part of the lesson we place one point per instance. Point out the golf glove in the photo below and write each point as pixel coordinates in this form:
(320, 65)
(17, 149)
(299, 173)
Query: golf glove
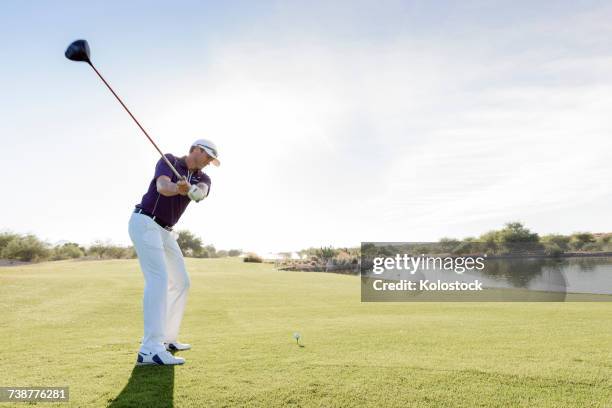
(196, 193)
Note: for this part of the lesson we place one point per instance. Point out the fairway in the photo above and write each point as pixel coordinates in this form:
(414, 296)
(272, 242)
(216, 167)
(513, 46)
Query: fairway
(79, 323)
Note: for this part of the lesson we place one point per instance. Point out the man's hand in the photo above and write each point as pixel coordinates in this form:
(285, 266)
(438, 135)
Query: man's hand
(183, 187)
(196, 194)
(167, 188)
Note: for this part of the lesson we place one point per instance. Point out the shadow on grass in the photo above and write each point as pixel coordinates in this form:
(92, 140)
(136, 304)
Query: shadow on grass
(148, 386)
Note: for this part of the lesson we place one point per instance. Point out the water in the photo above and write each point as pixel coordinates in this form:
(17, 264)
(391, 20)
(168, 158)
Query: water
(550, 278)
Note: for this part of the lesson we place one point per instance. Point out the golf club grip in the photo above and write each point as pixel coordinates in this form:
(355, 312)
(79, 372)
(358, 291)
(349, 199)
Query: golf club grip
(176, 173)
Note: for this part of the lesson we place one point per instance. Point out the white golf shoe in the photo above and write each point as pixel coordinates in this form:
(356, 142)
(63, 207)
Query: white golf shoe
(161, 358)
(176, 346)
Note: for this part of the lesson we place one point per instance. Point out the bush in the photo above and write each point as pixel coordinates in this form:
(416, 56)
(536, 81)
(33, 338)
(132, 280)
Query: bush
(253, 257)
(109, 251)
(326, 253)
(67, 251)
(234, 252)
(592, 247)
(465, 247)
(212, 252)
(26, 248)
(5, 238)
(580, 239)
(202, 253)
(448, 244)
(553, 249)
(515, 232)
(561, 241)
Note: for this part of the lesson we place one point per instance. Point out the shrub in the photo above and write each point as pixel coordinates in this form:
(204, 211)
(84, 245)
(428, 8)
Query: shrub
(553, 249)
(67, 251)
(562, 241)
(26, 248)
(343, 256)
(202, 253)
(109, 251)
(580, 239)
(464, 247)
(605, 239)
(326, 253)
(515, 232)
(212, 252)
(5, 238)
(448, 244)
(592, 247)
(253, 257)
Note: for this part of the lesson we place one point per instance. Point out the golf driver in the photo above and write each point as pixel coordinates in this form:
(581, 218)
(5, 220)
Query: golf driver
(79, 51)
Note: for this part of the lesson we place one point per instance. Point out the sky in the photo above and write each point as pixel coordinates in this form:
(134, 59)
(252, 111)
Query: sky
(337, 122)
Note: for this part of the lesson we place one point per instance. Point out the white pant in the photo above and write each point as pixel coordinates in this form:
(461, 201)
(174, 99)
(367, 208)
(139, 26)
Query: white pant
(166, 282)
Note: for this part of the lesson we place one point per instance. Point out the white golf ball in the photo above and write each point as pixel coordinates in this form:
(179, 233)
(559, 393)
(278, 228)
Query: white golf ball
(296, 335)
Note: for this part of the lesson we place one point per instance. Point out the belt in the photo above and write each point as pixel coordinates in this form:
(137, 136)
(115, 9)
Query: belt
(154, 218)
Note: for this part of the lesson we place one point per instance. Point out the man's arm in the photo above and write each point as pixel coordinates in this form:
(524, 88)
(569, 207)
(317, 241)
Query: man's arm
(167, 188)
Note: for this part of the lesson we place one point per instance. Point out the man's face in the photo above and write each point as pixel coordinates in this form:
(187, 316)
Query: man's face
(201, 158)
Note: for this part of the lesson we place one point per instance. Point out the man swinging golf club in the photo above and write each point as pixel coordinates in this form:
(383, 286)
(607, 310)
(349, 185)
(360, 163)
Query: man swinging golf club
(161, 259)
(176, 182)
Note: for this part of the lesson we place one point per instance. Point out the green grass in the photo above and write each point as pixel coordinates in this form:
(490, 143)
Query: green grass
(78, 324)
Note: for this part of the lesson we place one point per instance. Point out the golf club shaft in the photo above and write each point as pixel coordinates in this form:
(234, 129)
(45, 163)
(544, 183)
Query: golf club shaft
(138, 123)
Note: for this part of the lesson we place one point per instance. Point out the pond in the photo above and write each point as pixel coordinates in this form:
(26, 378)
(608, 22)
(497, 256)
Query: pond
(508, 279)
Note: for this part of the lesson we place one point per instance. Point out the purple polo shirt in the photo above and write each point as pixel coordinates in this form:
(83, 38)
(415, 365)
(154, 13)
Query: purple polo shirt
(169, 209)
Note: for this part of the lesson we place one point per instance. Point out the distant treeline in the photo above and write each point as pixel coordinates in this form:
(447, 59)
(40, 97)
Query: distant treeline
(29, 248)
(514, 235)
(514, 238)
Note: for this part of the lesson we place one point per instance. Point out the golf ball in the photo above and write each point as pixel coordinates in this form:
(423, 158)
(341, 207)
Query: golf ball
(296, 335)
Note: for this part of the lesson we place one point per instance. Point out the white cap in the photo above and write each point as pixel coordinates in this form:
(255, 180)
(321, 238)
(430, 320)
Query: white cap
(210, 148)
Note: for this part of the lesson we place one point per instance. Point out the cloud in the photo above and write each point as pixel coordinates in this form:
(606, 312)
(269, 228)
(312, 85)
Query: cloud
(335, 141)
(396, 125)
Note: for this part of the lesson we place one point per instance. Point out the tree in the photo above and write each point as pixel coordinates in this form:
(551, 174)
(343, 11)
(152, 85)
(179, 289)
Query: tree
(234, 252)
(326, 253)
(448, 244)
(26, 248)
(190, 244)
(208, 251)
(5, 238)
(202, 253)
(515, 232)
(580, 239)
(491, 241)
(69, 250)
(556, 240)
(106, 250)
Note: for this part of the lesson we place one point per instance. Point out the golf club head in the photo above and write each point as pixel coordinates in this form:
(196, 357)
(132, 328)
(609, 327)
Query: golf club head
(78, 51)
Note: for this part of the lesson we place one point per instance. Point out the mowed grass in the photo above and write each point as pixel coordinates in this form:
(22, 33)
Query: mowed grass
(78, 324)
